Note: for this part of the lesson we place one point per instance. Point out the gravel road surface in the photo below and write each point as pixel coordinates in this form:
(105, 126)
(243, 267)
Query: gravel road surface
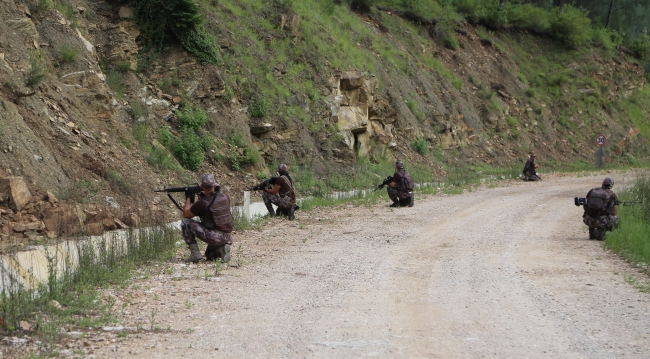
(505, 272)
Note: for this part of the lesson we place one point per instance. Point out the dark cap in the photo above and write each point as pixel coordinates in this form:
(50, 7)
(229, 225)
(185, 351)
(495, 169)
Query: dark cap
(283, 168)
(399, 164)
(208, 181)
(532, 155)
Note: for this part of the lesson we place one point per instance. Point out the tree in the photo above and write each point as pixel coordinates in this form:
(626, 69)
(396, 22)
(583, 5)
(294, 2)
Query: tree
(609, 13)
(558, 3)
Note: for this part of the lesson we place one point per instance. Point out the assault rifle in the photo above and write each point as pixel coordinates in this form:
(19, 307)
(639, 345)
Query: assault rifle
(387, 180)
(190, 192)
(579, 201)
(264, 184)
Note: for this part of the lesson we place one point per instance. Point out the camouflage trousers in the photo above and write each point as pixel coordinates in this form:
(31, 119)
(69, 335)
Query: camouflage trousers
(608, 222)
(282, 203)
(395, 195)
(192, 229)
(531, 176)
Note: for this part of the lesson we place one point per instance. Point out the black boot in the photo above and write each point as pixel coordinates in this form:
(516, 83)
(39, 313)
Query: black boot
(292, 215)
(212, 252)
(412, 202)
(592, 233)
(224, 252)
(395, 204)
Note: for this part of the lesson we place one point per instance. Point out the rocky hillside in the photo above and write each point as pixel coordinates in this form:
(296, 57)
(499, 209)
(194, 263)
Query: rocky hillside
(97, 122)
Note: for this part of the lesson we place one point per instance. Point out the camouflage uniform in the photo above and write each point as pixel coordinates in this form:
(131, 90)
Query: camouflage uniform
(530, 173)
(215, 226)
(602, 218)
(286, 197)
(398, 193)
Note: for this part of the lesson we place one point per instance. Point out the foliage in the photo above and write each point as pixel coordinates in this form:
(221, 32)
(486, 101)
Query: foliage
(115, 83)
(44, 5)
(641, 46)
(259, 107)
(607, 38)
(118, 182)
(420, 146)
(631, 239)
(187, 150)
(571, 26)
(241, 153)
(68, 54)
(192, 118)
(165, 21)
(38, 70)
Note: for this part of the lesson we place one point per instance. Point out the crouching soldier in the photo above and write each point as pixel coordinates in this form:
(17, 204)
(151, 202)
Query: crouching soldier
(215, 228)
(282, 194)
(400, 189)
(600, 210)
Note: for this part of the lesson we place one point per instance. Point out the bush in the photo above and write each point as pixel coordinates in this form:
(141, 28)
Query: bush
(192, 117)
(420, 146)
(571, 26)
(607, 38)
(472, 9)
(259, 107)
(641, 46)
(164, 21)
(188, 151)
(530, 17)
(68, 54)
(44, 5)
(38, 70)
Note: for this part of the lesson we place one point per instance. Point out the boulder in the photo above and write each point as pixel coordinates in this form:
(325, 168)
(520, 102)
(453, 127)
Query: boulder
(351, 80)
(63, 220)
(257, 130)
(94, 229)
(16, 189)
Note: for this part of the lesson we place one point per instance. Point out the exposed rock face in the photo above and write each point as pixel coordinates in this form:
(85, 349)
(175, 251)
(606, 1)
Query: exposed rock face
(121, 46)
(16, 190)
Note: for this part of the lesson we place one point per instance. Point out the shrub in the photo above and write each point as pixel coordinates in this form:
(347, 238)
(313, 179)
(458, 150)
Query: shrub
(114, 82)
(641, 46)
(188, 151)
(259, 107)
(117, 181)
(44, 5)
(530, 17)
(571, 26)
(192, 117)
(607, 38)
(68, 54)
(123, 66)
(472, 9)
(420, 146)
(38, 70)
(137, 109)
(164, 21)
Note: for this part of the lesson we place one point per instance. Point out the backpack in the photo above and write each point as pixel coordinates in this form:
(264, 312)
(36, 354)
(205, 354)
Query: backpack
(597, 200)
(407, 182)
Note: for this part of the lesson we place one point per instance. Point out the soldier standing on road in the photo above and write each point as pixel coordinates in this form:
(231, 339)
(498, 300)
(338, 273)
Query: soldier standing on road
(400, 189)
(282, 194)
(530, 169)
(600, 210)
(215, 228)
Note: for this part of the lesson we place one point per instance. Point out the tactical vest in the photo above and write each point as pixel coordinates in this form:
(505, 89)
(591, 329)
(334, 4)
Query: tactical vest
(598, 202)
(218, 214)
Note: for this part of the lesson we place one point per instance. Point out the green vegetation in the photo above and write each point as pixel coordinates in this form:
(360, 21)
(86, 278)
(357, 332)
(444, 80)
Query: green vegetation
(38, 71)
(118, 182)
(241, 153)
(164, 21)
(44, 5)
(632, 239)
(71, 296)
(420, 146)
(189, 148)
(68, 54)
(116, 83)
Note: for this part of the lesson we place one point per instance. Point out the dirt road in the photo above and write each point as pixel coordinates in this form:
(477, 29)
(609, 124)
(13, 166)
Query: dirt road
(504, 272)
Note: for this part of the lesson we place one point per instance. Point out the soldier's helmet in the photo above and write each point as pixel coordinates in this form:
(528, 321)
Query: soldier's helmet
(282, 168)
(399, 165)
(608, 182)
(532, 155)
(208, 181)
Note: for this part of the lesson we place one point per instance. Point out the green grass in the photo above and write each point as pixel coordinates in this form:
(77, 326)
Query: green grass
(68, 54)
(74, 282)
(632, 238)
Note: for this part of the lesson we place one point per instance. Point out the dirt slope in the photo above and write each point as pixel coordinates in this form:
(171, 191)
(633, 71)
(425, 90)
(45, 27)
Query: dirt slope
(504, 272)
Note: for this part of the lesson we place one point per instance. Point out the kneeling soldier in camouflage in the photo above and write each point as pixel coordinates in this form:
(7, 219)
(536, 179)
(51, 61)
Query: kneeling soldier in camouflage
(215, 228)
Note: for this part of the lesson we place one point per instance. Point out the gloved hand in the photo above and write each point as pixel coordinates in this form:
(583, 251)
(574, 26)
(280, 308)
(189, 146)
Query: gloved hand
(189, 194)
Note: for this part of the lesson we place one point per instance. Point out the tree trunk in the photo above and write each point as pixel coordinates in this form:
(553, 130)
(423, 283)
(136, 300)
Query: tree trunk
(502, 4)
(558, 3)
(609, 14)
